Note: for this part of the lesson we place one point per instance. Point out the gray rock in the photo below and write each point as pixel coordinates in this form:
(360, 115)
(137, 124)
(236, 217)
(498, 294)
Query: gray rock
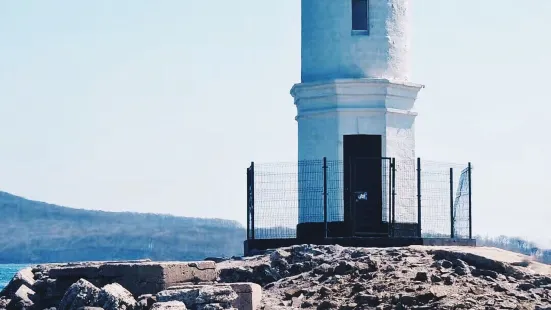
(80, 294)
(446, 264)
(449, 280)
(115, 297)
(216, 294)
(487, 273)
(22, 299)
(328, 304)
(146, 301)
(422, 276)
(435, 279)
(324, 269)
(22, 277)
(4, 302)
(200, 295)
(169, 305)
(279, 254)
(367, 299)
(185, 295)
(461, 271)
(526, 286)
(407, 300)
(345, 267)
(214, 307)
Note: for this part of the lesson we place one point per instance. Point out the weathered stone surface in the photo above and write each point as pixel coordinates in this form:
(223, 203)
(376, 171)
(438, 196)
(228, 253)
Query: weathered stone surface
(185, 295)
(115, 297)
(214, 307)
(395, 278)
(216, 294)
(192, 296)
(80, 294)
(169, 305)
(22, 299)
(22, 277)
(249, 295)
(139, 278)
(4, 302)
(146, 301)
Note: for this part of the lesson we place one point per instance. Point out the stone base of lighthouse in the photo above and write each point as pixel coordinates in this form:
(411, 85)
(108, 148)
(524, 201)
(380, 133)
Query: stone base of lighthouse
(358, 125)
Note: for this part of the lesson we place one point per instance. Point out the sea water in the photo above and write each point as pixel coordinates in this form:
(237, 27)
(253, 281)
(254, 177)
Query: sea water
(7, 272)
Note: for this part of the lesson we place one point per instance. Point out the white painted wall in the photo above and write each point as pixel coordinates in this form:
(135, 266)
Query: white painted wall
(354, 83)
(327, 111)
(330, 50)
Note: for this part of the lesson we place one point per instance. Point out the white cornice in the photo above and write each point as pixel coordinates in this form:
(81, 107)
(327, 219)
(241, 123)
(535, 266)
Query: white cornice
(355, 88)
(363, 110)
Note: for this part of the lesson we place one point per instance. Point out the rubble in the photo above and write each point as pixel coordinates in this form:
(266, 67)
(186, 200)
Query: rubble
(298, 277)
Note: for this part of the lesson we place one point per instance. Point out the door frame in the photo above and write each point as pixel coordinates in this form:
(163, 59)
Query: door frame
(387, 189)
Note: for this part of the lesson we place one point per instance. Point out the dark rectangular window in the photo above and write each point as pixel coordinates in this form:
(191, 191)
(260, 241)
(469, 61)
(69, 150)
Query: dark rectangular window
(360, 13)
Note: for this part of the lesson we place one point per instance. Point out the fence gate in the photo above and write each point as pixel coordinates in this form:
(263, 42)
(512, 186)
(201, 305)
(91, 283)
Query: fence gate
(370, 195)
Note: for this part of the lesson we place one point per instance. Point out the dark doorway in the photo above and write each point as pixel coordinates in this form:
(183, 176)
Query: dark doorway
(363, 184)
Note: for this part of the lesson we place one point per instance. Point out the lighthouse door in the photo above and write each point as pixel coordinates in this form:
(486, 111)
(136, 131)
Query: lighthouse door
(363, 184)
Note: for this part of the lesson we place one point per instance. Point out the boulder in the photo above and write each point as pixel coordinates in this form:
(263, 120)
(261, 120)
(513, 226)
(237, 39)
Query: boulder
(80, 294)
(22, 277)
(22, 299)
(115, 297)
(4, 302)
(249, 295)
(421, 276)
(169, 305)
(279, 254)
(216, 294)
(193, 296)
(214, 307)
(146, 301)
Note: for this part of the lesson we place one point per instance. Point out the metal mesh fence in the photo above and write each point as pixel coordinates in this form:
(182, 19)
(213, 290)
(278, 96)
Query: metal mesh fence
(461, 210)
(275, 200)
(282, 195)
(439, 189)
(335, 185)
(405, 202)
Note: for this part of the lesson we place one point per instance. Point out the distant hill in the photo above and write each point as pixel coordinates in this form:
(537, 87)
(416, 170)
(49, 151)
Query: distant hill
(37, 232)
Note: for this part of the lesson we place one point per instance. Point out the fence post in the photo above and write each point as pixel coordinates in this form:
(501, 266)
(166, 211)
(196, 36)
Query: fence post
(419, 229)
(325, 196)
(248, 203)
(252, 200)
(451, 205)
(470, 205)
(393, 195)
(389, 161)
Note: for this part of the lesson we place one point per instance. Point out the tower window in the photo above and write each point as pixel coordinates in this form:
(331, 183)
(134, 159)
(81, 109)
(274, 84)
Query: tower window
(360, 13)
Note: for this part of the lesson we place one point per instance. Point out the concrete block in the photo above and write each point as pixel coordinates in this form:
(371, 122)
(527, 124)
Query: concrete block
(137, 277)
(249, 295)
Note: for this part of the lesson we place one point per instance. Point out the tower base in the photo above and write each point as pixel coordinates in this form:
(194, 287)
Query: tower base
(256, 246)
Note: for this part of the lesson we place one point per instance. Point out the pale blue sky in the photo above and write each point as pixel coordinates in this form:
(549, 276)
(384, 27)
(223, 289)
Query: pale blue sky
(159, 106)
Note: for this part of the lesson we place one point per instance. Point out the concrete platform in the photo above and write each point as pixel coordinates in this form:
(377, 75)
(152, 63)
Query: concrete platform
(137, 277)
(250, 246)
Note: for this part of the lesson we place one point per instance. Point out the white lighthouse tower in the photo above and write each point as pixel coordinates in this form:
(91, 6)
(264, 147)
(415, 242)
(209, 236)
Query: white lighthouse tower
(355, 99)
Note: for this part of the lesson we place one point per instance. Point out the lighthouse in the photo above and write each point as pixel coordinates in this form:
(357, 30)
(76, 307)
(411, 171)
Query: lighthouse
(355, 106)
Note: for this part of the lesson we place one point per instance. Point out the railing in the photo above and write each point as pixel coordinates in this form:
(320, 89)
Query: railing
(416, 198)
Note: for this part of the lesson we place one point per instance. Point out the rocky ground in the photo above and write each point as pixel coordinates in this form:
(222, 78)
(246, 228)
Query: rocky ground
(333, 277)
(305, 277)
